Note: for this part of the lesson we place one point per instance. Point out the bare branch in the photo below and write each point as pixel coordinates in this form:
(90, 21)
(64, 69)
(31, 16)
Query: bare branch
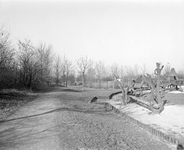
(83, 64)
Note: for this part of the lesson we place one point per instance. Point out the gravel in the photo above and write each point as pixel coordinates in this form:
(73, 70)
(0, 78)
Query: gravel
(90, 126)
(64, 120)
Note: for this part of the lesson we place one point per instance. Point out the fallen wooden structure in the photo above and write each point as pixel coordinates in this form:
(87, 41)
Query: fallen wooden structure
(134, 92)
(113, 94)
(146, 104)
(171, 82)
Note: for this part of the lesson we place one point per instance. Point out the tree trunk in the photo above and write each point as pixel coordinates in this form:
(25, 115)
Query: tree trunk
(99, 83)
(66, 80)
(158, 73)
(83, 81)
(124, 92)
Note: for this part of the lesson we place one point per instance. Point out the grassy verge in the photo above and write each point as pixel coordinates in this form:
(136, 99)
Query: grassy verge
(172, 99)
(11, 100)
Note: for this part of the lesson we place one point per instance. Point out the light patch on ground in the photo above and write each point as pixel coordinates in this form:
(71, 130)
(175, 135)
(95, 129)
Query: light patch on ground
(169, 121)
(176, 92)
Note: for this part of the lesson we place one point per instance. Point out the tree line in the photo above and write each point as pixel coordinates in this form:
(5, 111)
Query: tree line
(34, 67)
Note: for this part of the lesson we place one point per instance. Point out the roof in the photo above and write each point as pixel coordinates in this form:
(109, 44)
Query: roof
(173, 72)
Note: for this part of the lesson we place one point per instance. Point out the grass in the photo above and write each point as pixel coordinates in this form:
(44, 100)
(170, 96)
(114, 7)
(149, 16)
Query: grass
(174, 99)
(87, 94)
(12, 99)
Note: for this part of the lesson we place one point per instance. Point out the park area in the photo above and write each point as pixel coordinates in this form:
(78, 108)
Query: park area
(92, 75)
(64, 118)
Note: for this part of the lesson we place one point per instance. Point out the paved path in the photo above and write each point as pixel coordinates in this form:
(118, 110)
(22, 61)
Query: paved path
(64, 120)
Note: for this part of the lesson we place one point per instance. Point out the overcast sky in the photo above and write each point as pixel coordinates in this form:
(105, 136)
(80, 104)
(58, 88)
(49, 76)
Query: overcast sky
(121, 31)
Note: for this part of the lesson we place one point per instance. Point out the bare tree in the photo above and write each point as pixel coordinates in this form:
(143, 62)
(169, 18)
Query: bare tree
(167, 69)
(83, 64)
(71, 76)
(66, 68)
(143, 69)
(41, 54)
(57, 69)
(100, 71)
(91, 73)
(136, 70)
(7, 54)
(4, 37)
(132, 72)
(45, 57)
(124, 90)
(122, 72)
(115, 72)
(34, 64)
(27, 63)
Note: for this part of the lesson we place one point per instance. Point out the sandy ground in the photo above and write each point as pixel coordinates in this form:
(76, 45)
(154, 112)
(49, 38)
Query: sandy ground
(170, 121)
(64, 120)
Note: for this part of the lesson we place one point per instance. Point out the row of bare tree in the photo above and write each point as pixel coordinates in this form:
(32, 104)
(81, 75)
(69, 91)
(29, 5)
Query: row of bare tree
(26, 67)
(34, 67)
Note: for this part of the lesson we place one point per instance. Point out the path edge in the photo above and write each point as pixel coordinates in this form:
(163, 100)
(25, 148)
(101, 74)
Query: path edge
(146, 127)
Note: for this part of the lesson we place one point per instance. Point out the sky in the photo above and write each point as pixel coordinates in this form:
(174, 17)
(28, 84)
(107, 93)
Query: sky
(125, 32)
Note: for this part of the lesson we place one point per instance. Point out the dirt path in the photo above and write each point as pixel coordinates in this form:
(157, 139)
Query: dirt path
(63, 120)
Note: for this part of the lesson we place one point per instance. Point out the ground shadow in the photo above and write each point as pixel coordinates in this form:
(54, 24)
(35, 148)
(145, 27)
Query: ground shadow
(61, 89)
(139, 103)
(70, 90)
(100, 110)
